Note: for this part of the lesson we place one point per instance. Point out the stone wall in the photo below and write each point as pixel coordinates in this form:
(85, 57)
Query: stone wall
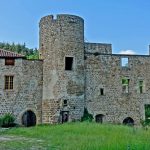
(27, 91)
(59, 38)
(105, 71)
(101, 48)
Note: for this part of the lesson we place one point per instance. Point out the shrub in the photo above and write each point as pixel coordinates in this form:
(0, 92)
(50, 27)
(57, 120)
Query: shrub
(7, 120)
(87, 116)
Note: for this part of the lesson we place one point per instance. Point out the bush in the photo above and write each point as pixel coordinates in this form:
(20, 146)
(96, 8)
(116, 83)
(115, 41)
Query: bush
(7, 121)
(87, 116)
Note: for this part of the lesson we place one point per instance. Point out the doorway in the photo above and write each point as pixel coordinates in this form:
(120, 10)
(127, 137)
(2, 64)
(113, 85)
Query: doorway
(29, 119)
(65, 116)
(99, 118)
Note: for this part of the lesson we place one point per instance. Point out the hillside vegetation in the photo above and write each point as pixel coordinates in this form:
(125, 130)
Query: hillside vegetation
(76, 136)
(21, 49)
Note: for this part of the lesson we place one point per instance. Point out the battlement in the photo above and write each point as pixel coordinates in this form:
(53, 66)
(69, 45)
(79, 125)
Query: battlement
(98, 48)
(61, 18)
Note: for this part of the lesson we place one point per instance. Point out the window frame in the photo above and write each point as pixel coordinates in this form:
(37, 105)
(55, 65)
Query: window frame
(7, 63)
(9, 82)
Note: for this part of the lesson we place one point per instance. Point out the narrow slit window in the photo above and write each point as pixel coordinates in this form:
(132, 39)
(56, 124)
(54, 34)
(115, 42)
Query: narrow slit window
(125, 85)
(141, 86)
(124, 62)
(68, 63)
(9, 82)
(101, 91)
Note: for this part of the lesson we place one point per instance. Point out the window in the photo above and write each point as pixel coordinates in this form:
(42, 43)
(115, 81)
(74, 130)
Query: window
(101, 91)
(9, 61)
(125, 85)
(68, 63)
(65, 102)
(9, 82)
(147, 113)
(124, 62)
(141, 86)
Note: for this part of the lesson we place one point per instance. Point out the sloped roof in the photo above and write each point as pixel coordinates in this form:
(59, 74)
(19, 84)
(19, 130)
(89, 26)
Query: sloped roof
(5, 53)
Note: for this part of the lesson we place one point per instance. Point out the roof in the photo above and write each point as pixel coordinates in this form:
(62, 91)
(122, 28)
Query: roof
(5, 53)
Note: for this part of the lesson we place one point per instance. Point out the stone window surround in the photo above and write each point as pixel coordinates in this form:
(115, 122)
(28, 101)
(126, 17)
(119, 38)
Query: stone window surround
(73, 64)
(139, 86)
(122, 59)
(9, 61)
(8, 75)
(125, 86)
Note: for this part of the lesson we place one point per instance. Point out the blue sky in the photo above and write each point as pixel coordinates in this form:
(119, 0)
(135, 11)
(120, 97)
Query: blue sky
(123, 23)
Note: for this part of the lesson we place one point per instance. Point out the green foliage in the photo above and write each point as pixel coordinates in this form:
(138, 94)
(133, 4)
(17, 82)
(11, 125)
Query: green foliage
(125, 81)
(21, 49)
(7, 120)
(87, 116)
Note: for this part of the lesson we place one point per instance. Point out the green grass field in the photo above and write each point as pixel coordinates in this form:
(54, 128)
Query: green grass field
(75, 136)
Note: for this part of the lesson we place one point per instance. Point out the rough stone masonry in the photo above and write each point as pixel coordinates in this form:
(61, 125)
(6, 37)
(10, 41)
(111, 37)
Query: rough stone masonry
(72, 75)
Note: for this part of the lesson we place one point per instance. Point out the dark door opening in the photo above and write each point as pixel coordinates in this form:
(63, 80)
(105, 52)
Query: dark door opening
(29, 119)
(128, 121)
(99, 118)
(65, 116)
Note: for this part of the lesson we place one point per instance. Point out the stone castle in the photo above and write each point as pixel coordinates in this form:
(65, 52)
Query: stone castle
(72, 75)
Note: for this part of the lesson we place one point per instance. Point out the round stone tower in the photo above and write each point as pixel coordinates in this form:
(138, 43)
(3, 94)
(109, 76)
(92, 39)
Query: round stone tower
(62, 50)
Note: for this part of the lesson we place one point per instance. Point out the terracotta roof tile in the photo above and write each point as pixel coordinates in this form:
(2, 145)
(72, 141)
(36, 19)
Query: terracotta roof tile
(5, 53)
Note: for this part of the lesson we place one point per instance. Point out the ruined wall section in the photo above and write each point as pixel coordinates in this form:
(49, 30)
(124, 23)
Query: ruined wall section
(27, 91)
(105, 71)
(98, 48)
(59, 38)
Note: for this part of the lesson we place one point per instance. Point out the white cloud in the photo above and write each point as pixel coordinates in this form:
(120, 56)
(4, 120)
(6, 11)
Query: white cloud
(128, 52)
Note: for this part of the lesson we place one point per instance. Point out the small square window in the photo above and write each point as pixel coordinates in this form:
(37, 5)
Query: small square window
(124, 62)
(10, 61)
(68, 63)
(65, 102)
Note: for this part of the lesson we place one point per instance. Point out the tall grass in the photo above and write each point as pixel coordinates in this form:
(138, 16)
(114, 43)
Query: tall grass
(82, 136)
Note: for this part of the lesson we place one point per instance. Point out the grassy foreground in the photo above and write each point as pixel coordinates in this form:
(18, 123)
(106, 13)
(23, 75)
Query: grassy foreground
(75, 136)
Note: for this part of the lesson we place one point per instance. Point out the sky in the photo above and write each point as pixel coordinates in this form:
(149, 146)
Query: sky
(123, 23)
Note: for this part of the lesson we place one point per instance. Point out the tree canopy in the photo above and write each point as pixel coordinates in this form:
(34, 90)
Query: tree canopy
(30, 53)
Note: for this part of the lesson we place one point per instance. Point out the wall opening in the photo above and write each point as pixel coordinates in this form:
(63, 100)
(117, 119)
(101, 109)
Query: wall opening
(124, 62)
(128, 121)
(147, 113)
(9, 82)
(125, 85)
(68, 63)
(141, 86)
(99, 118)
(65, 102)
(29, 119)
(101, 91)
(10, 61)
(65, 116)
